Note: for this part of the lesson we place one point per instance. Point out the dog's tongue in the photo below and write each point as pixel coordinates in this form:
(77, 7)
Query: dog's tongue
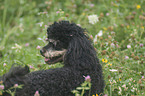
(46, 59)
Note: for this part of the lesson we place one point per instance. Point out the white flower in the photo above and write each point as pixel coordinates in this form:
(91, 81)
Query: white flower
(120, 90)
(112, 44)
(93, 19)
(128, 46)
(126, 57)
(41, 23)
(17, 46)
(4, 64)
(100, 33)
(124, 86)
(113, 70)
(79, 25)
(132, 90)
(130, 79)
(114, 81)
(95, 39)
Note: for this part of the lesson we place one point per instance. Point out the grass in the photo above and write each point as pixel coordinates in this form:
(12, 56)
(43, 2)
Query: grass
(122, 24)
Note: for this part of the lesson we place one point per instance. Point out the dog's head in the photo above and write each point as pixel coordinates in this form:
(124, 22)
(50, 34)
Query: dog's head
(60, 35)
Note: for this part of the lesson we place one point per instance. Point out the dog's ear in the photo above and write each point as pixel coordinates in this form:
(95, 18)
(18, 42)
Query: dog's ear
(80, 53)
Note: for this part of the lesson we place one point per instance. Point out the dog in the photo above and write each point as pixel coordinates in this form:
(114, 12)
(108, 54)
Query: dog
(70, 45)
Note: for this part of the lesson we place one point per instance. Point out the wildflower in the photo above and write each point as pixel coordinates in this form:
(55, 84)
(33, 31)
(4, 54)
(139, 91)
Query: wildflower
(142, 27)
(83, 13)
(141, 45)
(91, 37)
(104, 60)
(77, 94)
(91, 5)
(79, 25)
(132, 90)
(113, 70)
(41, 23)
(45, 12)
(138, 7)
(87, 78)
(130, 79)
(40, 39)
(16, 85)
(124, 86)
(126, 57)
(107, 14)
(1, 87)
(46, 39)
(95, 39)
(100, 33)
(128, 46)
(117, 45)
(38, 47)
(17, 47)
(95, 95)
(105, 28)
(113, 33)
(112, 44)
(27, 44)
(45, 26)
(127, 26)
(57, 12)
(4, 64)
(119, 79)
(93, 19)
(120, 90)
(31, 67)
(37, 93)
(142, 77)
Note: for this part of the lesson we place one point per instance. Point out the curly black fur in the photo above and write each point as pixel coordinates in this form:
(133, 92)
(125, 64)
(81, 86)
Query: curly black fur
(79, 60)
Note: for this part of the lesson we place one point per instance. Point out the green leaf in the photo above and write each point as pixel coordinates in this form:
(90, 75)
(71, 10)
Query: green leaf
(79, 88)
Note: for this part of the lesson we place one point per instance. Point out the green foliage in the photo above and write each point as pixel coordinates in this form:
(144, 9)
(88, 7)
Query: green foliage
(84, 86)
(120, 21)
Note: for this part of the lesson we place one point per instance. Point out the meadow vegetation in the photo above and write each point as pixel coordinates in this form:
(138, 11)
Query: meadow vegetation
(118, 36)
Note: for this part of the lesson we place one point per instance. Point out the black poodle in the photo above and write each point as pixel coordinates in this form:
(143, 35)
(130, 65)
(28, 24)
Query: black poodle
(69, 44)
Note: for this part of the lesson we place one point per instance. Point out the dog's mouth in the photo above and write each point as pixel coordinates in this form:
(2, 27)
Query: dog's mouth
(52, 57)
